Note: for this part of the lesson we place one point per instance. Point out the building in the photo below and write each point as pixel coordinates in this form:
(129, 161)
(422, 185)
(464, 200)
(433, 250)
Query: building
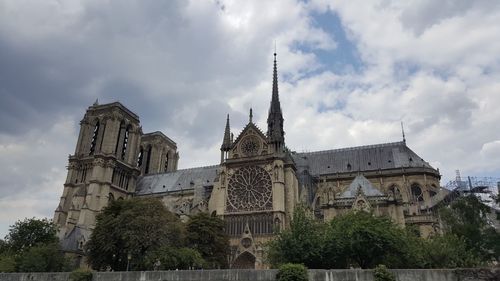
(254, 188)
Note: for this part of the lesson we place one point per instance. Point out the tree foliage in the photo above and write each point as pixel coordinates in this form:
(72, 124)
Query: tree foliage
(43, 258)
(381, 273)
(363, 240)
(302, 243)
(171, 258)
(466, 218)
(132, 229)
(360, 239)
(32, 245)
(30, 232)
(292, 272)
(206, 235)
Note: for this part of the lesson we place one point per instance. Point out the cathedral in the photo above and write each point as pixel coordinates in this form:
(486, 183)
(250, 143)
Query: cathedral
(254, 188)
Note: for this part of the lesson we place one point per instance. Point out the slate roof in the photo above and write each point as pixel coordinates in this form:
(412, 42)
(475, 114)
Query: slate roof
(361, 158)
(71, 240)
(366, 186)
(176, 181)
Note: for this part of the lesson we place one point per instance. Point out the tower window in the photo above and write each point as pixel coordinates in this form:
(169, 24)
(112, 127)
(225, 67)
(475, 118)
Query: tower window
(148, 159)
(93, 142)
(140, 157)
(166, 161)
(125, 143)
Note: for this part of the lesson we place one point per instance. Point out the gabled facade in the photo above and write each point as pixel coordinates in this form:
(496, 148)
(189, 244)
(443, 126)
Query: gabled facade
(254, 188)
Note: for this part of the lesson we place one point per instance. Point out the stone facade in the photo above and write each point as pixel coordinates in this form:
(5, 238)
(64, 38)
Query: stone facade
(254, 188)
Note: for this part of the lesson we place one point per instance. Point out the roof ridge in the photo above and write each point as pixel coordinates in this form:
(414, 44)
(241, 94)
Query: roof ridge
(182, 170)
(352, 148)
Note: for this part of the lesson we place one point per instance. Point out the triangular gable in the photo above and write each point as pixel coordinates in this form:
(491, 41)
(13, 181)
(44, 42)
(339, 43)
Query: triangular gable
(360, 184)
(249, 127)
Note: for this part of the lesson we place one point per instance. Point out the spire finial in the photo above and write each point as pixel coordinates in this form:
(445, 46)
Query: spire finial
(251, 115)
(226, 142)
(403, 132)
(96, 103)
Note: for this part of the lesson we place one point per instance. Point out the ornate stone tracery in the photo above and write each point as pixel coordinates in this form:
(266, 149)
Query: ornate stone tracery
(249, 189)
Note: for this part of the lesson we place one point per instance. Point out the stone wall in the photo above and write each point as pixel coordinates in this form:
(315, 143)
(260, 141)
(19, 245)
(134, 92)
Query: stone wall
(485, 274)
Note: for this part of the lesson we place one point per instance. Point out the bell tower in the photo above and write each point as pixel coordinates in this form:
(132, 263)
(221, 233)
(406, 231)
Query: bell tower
(103, 168)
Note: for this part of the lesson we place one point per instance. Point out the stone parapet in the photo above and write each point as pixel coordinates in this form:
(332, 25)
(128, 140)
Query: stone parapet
(476, 274)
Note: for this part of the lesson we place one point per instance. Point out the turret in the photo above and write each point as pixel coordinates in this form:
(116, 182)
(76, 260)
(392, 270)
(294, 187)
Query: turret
(226, 142)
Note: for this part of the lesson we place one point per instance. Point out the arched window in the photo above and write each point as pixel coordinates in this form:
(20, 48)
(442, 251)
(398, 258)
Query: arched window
(118, 140)
(148, 159)
(125, 142)
(140, 157)
(93, 141)
(416, 192)
(166, 161)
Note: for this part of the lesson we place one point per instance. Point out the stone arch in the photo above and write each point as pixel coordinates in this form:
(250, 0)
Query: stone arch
(245, 260)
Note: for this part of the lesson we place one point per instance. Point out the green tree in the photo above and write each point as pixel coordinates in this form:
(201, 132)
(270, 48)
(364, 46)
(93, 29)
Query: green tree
(7, 263)
(171, 258)
(302, 243)
(206, 234)
(131, 229)
(381, 273)
(466, 218)
(30, 232)
(43, 258)
(447, 251)
(4, 247)
(361, 239)
(292, 272)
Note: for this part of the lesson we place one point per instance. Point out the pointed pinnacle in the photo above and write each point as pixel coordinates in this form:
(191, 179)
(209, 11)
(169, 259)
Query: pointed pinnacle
(226, 142)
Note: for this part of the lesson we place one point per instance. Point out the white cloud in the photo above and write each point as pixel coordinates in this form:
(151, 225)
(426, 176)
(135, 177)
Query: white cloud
(182, 65)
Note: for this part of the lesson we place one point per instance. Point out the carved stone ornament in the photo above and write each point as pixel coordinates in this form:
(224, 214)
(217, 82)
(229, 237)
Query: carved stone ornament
(99, 162)
(249, 189)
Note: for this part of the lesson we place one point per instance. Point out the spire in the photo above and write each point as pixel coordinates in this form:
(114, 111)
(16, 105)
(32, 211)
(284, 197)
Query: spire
(251, 116)
(275, 101)
(275, 131)
(226, 142)
(403, 132)
(96, 103)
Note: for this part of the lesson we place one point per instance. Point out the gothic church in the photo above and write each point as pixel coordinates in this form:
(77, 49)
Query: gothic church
(254, 188)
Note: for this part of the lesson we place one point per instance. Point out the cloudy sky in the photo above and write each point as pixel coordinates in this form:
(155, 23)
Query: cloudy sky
(349, 71)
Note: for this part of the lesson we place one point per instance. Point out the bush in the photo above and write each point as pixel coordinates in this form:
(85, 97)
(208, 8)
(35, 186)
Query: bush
(43, 258)
(381, 273)
(292, 272)
(7, 263)
(81, 275)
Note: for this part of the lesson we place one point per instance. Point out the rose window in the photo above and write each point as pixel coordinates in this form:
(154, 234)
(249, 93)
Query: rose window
(250, 146)
(249, 189)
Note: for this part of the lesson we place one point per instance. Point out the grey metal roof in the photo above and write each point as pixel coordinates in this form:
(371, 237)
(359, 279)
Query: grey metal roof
(360, 182)
(361, 158)
(177, 180)
(71, 241)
